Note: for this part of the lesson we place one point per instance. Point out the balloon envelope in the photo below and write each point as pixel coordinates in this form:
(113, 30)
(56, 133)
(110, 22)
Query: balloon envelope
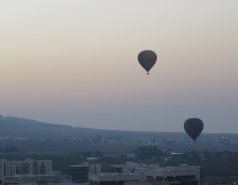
(147, 59)
(193, 127)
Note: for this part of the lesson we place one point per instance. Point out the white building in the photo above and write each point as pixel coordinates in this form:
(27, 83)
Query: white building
(13, 172)
(26, 167)
(112, 178)
(182, 175)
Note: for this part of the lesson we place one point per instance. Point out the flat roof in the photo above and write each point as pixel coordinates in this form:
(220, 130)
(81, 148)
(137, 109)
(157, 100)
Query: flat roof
(116, 174)
(79, 165)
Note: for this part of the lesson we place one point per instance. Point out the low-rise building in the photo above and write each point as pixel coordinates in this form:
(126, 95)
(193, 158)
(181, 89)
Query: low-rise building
(80, 172)
(182, 175)
(112, 178)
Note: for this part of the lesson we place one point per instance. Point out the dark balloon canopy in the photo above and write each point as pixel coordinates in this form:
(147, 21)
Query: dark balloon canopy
(193, 127)
(147, 59)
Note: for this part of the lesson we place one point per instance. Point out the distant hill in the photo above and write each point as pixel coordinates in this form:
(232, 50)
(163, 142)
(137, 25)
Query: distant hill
(13, 127)
(38, 137)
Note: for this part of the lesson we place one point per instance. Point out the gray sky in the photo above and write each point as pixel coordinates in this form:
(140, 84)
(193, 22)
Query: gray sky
(75, 63)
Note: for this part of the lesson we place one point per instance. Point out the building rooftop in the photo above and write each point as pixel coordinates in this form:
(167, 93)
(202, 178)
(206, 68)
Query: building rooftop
(79, 165)
(117, 174)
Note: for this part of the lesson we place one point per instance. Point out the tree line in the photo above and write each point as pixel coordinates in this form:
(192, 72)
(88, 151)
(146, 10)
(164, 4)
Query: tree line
(8, 149)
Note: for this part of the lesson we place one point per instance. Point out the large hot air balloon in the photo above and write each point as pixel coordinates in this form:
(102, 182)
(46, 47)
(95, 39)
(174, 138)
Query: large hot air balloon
(147, 59)
(193, 127)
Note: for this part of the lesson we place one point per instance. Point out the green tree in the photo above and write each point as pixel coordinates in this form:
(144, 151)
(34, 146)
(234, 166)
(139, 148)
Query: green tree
(206, 154)
(86, 154)
(146, 152)
(195, 155)
(170, 142)
(10, 149)
(98, 154)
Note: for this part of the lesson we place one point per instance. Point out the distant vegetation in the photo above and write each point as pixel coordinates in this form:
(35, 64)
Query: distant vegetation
(66, 145)
(148, 152)
(25, 129)
(8, 149)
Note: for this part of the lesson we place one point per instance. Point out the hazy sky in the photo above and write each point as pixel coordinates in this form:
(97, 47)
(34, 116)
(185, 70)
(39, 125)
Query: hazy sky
(75, 63)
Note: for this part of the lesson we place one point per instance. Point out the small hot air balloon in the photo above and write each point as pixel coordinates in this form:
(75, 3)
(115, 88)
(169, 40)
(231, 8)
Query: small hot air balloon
(193, 127)
(147, 59)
